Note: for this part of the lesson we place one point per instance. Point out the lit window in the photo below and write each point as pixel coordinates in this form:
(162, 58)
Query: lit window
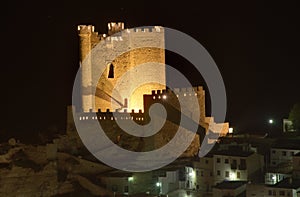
(226, 174)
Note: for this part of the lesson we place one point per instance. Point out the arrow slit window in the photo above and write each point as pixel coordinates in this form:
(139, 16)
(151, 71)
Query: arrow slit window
(111, 73)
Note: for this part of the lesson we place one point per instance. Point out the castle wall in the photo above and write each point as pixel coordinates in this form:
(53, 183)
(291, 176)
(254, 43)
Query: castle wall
(130, 87)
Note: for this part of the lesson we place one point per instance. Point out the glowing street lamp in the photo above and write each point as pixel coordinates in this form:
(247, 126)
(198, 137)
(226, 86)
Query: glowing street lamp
(271, 121)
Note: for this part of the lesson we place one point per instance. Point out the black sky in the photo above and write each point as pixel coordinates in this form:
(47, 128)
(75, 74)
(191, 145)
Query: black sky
(254, 43)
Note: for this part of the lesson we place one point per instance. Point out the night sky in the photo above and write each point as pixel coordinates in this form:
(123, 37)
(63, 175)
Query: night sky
(255, 45)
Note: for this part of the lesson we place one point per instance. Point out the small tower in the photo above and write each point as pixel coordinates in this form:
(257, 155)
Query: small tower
(115, 27)
(88, 39)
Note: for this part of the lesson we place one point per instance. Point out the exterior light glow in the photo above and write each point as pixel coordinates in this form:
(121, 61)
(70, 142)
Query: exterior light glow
(158, 184)
(164, 96)
(130, 178)
(192, 174)
(230, 130)
(271, 121)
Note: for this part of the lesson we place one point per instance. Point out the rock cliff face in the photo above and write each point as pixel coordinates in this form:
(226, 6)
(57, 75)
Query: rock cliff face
(27, 170)
(20, 181)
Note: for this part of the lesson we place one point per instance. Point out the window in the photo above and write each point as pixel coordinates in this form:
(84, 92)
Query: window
(126, 189)
(226, 161)
(218, 160)
(201, 173)
(218, 172)
(206, 161)
(281, 193)
(274, 193)
(274, 163)
(197, 172)
(125, 102)
(270, 192)
(243, 162)
(111, 73)
(226, 174)
(238, 175)
(273, 151)
(283, 153)
(291, 153)
(211, 174)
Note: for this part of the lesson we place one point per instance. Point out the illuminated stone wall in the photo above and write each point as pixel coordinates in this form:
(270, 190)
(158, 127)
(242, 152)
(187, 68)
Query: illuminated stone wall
(130, 87)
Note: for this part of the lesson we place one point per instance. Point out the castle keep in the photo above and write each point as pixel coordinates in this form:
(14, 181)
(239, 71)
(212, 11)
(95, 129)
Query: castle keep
(132, 100)
(120, 41)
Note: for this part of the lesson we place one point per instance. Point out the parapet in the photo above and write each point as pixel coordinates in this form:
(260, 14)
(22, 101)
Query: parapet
(194, 91)
(145, 29)
(110, 115)
(114, 27)
(85, 29)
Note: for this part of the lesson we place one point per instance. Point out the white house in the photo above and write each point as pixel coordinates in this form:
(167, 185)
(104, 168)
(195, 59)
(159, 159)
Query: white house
(237, 165)
(283, 153)
(287, 187)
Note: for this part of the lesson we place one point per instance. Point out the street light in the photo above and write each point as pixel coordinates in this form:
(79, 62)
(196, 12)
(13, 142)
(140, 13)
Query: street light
(271, 121)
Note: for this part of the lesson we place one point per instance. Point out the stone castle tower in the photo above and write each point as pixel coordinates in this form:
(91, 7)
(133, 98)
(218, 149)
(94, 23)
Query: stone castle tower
(130, 93)
(129, 102)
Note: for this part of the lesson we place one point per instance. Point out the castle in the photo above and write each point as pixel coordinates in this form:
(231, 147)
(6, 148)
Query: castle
(117, 67)
(132, 101)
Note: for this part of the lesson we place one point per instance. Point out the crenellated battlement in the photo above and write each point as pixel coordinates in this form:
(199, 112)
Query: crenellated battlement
(145, 29)
(114, 27)
(86, 29)
(111, 115)
(194, 91)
